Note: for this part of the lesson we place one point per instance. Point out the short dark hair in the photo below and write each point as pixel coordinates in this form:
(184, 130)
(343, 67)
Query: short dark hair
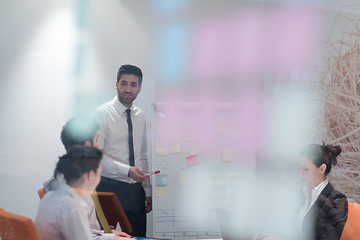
(77, 131)
(130, 69)
(322, 154)
(77, 161)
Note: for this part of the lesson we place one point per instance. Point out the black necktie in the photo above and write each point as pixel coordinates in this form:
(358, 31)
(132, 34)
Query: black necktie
(131, 143)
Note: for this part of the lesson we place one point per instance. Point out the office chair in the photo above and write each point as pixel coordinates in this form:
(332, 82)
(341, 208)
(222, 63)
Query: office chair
(113, 211)
(352, 226)
(41, 192)
(16, 227)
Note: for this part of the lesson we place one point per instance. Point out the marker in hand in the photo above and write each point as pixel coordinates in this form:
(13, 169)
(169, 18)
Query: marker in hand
(151, 173)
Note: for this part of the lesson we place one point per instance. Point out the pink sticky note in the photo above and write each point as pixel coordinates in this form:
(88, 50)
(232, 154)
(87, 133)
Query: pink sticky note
(192, 160)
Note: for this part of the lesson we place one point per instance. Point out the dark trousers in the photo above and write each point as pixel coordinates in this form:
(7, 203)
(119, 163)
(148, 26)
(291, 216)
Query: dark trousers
(132, 199)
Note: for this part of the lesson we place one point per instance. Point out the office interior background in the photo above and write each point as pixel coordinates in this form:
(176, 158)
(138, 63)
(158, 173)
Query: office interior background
(290, 66)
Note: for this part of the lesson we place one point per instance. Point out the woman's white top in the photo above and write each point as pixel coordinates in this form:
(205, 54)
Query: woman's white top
(310, 197)
(62, 214)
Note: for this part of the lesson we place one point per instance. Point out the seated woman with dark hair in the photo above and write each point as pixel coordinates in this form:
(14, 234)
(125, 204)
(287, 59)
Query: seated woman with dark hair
(62, 214)
(324, 211)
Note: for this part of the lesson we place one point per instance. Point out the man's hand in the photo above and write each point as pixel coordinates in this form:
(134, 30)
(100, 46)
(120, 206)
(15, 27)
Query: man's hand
(121, 234)
(148, 204)
(137, 174)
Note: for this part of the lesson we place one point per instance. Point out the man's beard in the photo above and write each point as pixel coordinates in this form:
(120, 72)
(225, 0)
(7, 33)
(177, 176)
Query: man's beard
(124, 100)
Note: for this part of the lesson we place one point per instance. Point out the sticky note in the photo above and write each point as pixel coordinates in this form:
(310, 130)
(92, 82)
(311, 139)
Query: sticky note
(193, 150)
(175, 148)
(190, 136)
(161, 151)
(161, 180)
(184, 179)
(192, 160)
(160, 191)
(228, 154)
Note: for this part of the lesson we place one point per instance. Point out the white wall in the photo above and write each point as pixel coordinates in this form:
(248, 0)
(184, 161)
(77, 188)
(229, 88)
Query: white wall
(45, 78)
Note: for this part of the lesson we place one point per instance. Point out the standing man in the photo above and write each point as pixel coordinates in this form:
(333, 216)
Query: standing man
(122, 138)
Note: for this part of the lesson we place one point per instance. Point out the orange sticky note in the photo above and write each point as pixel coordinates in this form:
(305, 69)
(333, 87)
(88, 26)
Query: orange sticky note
(193, 150)
(192, 160)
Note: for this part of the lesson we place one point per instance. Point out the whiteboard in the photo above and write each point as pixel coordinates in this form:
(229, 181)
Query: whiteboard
(202, 152)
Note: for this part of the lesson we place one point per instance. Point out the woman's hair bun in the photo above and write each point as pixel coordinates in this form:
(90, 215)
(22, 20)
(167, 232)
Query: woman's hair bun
(333, 151)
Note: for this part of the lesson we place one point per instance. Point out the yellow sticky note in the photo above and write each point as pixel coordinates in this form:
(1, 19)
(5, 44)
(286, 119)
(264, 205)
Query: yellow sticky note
(193, 150)
(160, 191)
(190, 136)
(175, 148)
(228, 154)
(184, 179)
(161, 151)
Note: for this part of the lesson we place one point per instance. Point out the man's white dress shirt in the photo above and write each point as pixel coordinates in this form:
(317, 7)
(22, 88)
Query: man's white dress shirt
(113, 141)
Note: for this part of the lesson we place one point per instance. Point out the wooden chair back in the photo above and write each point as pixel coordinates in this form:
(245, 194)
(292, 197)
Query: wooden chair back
(113, 211)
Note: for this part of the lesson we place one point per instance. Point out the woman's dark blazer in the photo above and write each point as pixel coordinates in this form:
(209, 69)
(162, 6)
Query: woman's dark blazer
(327, 217)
